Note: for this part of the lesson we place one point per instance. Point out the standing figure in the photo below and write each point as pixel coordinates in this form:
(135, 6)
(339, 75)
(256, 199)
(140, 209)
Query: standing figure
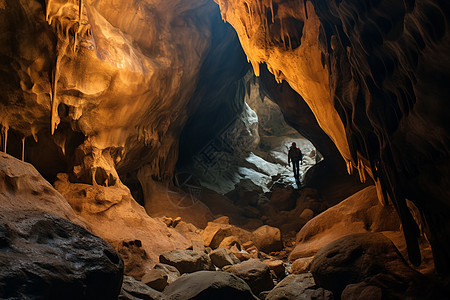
(295, 155)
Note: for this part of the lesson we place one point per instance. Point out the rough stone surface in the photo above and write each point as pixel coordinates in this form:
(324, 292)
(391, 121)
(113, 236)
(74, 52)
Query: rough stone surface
(209, 285)
(23, 188)
(364, 69)
(222, 257)
(277, 266)
(367, 257)
(267, 239)
(215, 233)
(301, 265)
(255, 273)
(133, 289)
(156, 279)
(187, 261)
(115, 216)
(359, 213)
(301, 287)
(171, 271)
(46, 257)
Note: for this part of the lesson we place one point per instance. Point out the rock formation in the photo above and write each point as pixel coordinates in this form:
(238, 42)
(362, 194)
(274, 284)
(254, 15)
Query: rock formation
(375, 76)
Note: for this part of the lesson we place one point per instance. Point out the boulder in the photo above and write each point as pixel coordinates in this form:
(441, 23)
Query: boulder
(209, 285)
(229, 242)
(133, 290)
(283, 198)
(359, 213)
(135, 256)
(301, 265)
(277, 267)
(255, 273)
(366, 257)
(187, 261)
(222, 257)
(23, 188)
(156, 279)
(113, 214)
(171, 271)
(267, 239)
(215, 233)
(298, 287)
(43, 256)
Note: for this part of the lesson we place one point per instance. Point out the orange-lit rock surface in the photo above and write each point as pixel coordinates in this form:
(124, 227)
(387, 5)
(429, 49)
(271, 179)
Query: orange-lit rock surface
(375, 74)
(115, 216)
(122, 74)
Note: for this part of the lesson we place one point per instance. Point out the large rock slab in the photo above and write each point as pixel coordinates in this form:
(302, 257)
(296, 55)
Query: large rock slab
(134, 290)
(215, 233)
(114, 215)
(255, 273)
(209, 285)
(187, 261)
(359, 213)
(267, 239)
(370, 259)
(44, 256)
(299, 287)
(23, 188)
(222, 257)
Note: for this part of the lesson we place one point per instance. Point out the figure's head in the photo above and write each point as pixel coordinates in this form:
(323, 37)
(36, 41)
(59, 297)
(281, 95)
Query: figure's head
(294, 144)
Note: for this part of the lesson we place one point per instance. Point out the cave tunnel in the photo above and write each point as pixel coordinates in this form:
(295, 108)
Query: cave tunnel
(145, 149)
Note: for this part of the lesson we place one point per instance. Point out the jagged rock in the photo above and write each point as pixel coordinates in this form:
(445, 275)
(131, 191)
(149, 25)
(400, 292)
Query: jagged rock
(229, 242)
(134, 257)
(222, 257)
(115, 216)
(45, 256)
(171, 271)
(209, 285)
(222, 220)
(283, 198)
(255, 273)
(23, 188)
(277, 266)
(243, 255)
(156, 279)
(301, 265)
(299, 287)
(370, 258)
(359, 213)
(134, 290)
(214, 234)
(307, 214)
(187, 261)
(267, 239)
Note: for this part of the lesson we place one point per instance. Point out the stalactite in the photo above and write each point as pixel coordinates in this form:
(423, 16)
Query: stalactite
(34, 133)
(380, 194)
(361, 171)
(23, 149)
(63, 44)
(349, 167)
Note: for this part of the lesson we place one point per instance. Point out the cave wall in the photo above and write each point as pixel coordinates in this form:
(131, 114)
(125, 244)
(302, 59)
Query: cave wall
(101, 85)
(375, 74)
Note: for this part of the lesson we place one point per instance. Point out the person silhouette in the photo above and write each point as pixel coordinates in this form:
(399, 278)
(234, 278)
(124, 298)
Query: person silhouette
(295, 155)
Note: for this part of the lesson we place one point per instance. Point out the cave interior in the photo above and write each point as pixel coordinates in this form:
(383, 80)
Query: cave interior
(145, 149)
